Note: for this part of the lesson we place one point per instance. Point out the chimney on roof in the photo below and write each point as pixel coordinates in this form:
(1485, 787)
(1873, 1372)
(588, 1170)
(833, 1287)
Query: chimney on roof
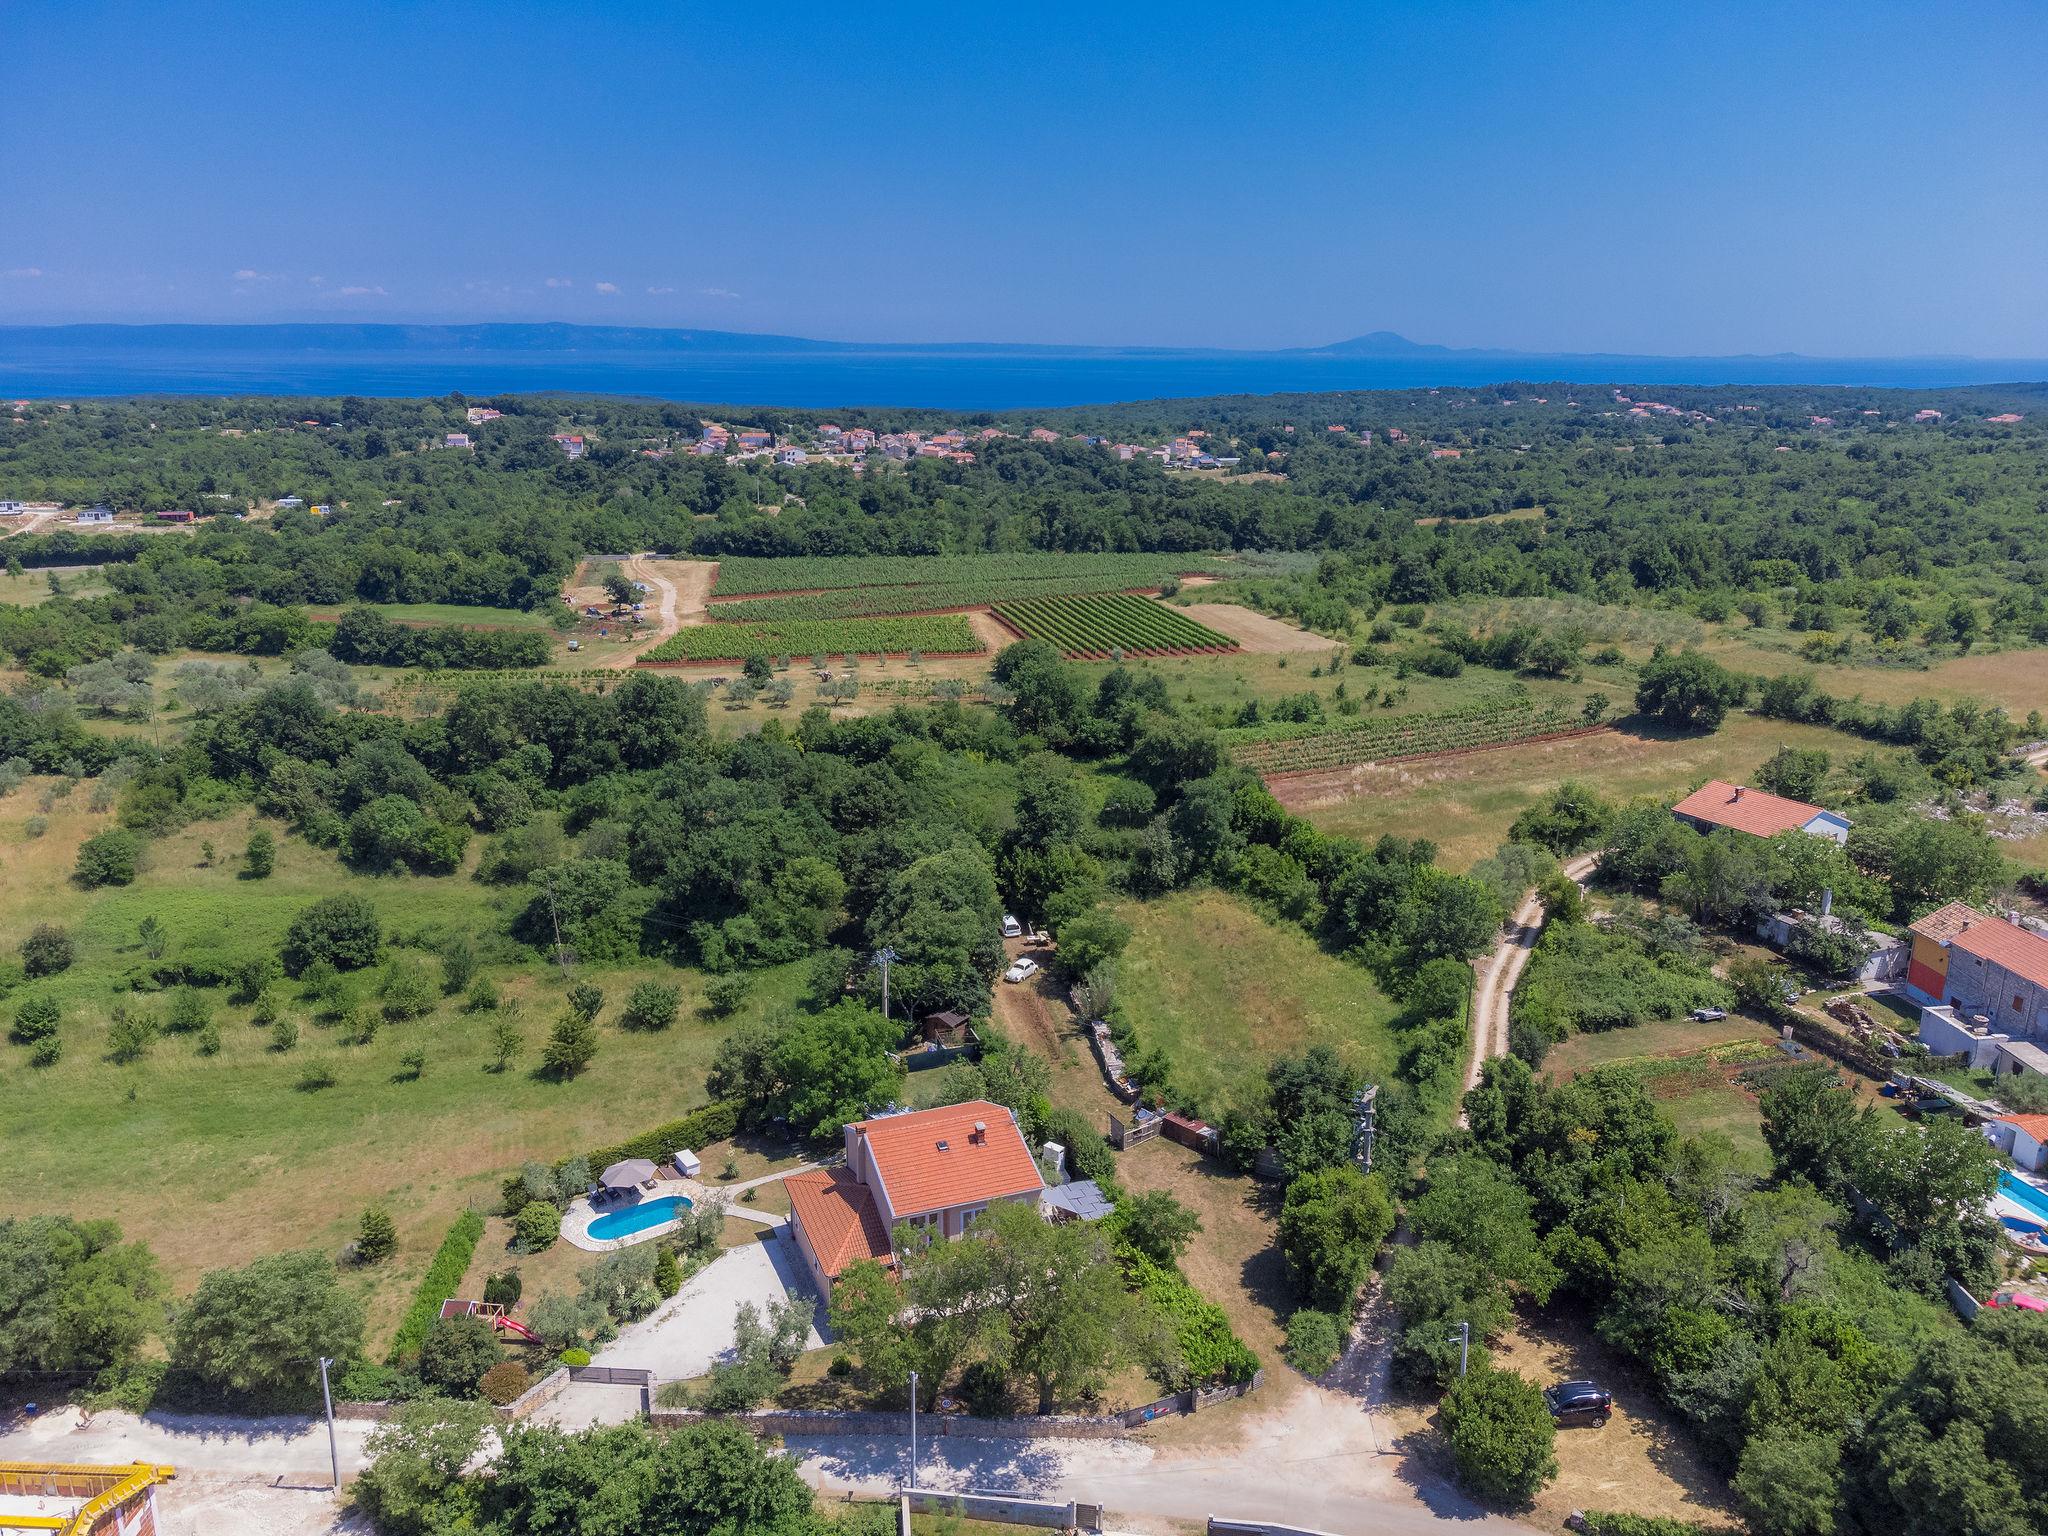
(1738, 792)
(980, 1131)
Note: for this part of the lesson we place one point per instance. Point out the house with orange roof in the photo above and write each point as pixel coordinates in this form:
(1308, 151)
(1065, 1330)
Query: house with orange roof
(2023, 1138)
(927, 1174)
(1983, 984)
(1742, 809)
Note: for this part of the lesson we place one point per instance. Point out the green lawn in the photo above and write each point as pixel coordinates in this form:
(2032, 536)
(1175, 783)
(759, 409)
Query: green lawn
(32, 586)
(217, 1160)
(1223, 990)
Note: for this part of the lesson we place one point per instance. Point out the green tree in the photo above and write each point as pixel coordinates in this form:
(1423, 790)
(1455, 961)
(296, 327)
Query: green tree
(413, 1485)
(1814, 1128)
(46, 951)
(376, 1237)
(258, 1332)
(505, 1042)
(651, 1005)
(572, 1046)
(1067, 1319)
(456, 1352)
(35, 1018)
(342, 930)
(1794, 772)
(1688, 690)
(1089, 941)
(1156, 1224)
(109, 858)
(74, 1299)
(537, 1225)
(1332, 1223)
(1501, 1436)
(259, 858)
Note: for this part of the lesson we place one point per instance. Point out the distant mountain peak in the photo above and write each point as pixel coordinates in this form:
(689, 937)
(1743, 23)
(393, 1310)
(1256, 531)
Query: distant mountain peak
(1380, 344)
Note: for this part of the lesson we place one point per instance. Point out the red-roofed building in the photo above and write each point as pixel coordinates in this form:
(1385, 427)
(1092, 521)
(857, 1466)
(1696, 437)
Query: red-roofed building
(1715, 804)
(933, 1169)
(1982, 966)
(2024, 1138)
(2005, 419)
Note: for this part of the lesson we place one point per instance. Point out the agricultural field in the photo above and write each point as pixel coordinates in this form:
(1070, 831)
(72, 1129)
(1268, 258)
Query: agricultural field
(217, 1159)
(1496, 719)
(933, 634)
(455, 614)
(744, 576)
(1222, 990)
(1466, 804)
(1095, 627)
(854, 602)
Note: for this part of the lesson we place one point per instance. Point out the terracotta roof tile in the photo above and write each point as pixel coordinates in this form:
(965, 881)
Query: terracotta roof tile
(1746, 810)
(2035, 1126)
(930, 1160)
(1944, 923)
(2013, 949)
(839, 1217)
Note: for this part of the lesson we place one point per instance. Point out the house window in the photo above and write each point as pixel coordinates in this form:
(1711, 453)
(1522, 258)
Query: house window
(969, 1215)
(2018, 1003)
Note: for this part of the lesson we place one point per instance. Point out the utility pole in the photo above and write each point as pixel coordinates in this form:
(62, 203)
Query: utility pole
(884, 958)
(1464, 1338)
(333, 1449)
(1363, 1115)
(913, 1429)
(555, 918)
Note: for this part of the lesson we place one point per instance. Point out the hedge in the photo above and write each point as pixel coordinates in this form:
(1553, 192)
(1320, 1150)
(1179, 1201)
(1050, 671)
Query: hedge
(443, 1276)
(1598, 1523)
(699, 1128)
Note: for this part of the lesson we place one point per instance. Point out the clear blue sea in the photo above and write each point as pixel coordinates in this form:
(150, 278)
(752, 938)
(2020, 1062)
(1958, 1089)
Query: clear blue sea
(953, 379)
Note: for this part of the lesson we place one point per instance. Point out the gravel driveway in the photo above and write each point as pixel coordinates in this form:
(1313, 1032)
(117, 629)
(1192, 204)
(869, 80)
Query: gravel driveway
(694, 1328)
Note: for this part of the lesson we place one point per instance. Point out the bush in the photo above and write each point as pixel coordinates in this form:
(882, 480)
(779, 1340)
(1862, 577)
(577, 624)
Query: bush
(504, 1288)
(586, 1001)
(284, 1035)
(131, 1036)
(188, 1013)
(376, 1237)
(482, 996)
(257, 1333)
(1156, 1225)
(412, 1066)
(260, 857)
(451, 1263)
(506, 1382)
(1501, 1435)
(107, 859)
(651, 1005)
(574, 1356)
(668, 1274)
(404, 991)
(725, 994)
(46, 1053)
(35, 1019)
(1315, 1340)
(536, 1227)
(342, 930)
(317, 1077)
(46, 951)
(207, 1041)
(1088, 1154)
(1205, 1348)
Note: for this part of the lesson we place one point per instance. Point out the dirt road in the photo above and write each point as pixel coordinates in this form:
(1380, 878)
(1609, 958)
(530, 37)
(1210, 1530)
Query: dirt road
(682, 589)
(1499, 972)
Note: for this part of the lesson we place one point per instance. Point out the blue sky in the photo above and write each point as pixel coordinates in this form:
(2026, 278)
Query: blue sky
(1829, 179)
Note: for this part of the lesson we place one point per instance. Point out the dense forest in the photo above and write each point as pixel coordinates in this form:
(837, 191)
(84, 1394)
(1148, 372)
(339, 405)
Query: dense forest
(1838, 500)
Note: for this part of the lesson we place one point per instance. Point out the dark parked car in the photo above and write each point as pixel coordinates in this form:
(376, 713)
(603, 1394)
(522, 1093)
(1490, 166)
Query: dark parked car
(1579, 1402)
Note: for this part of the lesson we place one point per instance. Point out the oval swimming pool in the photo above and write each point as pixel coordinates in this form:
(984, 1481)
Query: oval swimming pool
(637, 1218)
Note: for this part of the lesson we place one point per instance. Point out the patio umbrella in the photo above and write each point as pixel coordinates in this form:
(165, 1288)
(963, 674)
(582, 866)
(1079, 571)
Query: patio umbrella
(630, 1174)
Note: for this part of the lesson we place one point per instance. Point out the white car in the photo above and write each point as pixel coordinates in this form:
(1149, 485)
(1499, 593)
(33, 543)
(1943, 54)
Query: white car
(1709, 1015)
(1024, 967)
(1012, 929)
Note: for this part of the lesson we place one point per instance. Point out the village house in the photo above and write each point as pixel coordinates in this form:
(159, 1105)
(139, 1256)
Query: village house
(1715, 804)
(2023, 1138)
(456, 440)
(477, 415)
(931, 1170)
(754, 438)
(12, 508)
(1990, 973)
(95, 516)
(570, 443)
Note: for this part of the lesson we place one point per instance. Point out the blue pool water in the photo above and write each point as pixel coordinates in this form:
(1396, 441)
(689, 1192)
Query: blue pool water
(2020, 1192)
(638, 1218)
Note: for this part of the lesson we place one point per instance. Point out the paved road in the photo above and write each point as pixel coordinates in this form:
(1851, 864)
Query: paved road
(1503, 968)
